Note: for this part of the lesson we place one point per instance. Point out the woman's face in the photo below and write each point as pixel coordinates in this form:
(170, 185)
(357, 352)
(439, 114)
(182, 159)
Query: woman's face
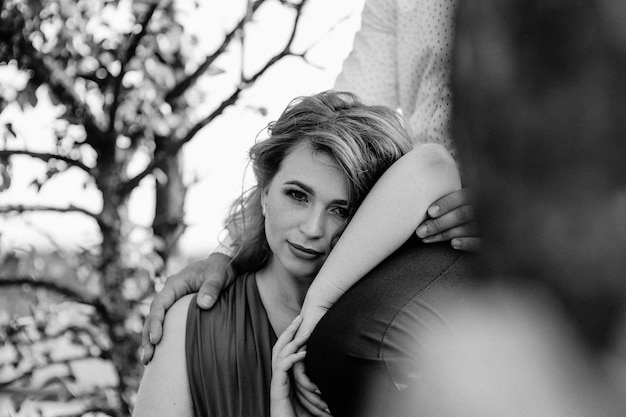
(306, 204)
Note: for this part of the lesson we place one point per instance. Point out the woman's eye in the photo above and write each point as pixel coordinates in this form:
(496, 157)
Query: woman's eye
(342, 212)
(296, 195)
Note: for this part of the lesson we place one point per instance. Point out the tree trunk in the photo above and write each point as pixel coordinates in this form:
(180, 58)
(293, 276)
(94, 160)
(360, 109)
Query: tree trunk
(169, 224)
(124, 344)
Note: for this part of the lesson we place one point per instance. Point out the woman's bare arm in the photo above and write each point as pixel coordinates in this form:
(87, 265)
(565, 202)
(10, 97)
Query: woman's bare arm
(164, 389)
(389, 215)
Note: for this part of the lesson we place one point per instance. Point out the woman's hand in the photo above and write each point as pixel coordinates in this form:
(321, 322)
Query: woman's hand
(306, 391)
(308, 394)
(208, 277)
(285, 354)
(452, 218)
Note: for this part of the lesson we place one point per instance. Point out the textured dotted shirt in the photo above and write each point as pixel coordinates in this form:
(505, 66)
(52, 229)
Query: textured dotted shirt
(401, 59)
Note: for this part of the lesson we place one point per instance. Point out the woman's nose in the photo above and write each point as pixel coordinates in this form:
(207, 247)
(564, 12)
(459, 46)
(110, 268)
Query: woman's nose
(313, 224)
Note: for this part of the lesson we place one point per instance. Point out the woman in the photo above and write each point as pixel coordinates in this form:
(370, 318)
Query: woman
(323, 155)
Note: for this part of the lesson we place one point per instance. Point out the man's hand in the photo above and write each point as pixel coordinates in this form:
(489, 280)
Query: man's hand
(208, 277)
(452, 218)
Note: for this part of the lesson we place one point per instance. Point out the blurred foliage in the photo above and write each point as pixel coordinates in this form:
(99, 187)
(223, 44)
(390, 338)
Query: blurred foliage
(56, 351)
(45, 358)
(123, 79)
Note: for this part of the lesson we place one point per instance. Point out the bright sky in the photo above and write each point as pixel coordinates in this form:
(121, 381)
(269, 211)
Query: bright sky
(215, 160)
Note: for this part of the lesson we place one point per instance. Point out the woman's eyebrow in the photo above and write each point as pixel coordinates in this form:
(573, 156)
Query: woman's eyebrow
(312, 192)
(301, 185)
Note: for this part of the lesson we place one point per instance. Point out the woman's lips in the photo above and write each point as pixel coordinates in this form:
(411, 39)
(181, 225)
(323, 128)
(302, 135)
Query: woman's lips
(303, 252)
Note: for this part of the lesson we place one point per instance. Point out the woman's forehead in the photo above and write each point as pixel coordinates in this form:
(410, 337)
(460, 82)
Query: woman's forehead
(308, 165)
(304, 155)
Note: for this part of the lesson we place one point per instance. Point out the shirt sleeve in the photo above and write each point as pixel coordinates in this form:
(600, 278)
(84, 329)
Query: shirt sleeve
(369, 71)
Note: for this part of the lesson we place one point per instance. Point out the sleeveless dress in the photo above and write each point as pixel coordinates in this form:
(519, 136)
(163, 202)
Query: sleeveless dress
(229, 353)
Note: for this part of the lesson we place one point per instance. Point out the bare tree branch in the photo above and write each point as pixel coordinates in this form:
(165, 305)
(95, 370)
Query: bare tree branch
(27, 373)
(77, 330)
(4, 385)
(174, 147)
(286, 50)
(182, 86)
(42, 74)
(127, 54)
(69, 292)
(321, 38)
(96, 411)
(20, 208)
(47, 157)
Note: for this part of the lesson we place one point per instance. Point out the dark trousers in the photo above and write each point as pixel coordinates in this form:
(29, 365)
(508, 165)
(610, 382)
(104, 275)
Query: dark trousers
(363, 355)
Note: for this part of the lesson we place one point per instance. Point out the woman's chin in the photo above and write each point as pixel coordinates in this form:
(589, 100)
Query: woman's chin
(304, 270)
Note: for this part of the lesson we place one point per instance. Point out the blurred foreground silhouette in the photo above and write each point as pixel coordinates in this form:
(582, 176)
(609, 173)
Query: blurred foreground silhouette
(539, 90)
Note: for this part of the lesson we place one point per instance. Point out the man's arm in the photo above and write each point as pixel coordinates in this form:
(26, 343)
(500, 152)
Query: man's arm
(370, 70)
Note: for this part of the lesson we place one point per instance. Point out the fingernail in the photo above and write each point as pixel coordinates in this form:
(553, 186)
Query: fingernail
(298, 317)
(455, 244)
(143, 356)
(150, 338)
(205, 301)
(422, 231)
(433, 210)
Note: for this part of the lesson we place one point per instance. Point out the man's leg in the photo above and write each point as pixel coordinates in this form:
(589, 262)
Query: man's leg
(362, 354)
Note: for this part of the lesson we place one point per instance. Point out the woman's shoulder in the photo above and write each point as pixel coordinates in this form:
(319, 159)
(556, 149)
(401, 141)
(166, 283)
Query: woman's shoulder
(241, 290)
(176, 316)
(164, 389)
(178, 311)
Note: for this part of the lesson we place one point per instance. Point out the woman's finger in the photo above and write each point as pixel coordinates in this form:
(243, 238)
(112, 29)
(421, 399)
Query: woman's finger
(286, 337)
(312, 408)
(285, 363)
(306, 388)
(302, 380)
